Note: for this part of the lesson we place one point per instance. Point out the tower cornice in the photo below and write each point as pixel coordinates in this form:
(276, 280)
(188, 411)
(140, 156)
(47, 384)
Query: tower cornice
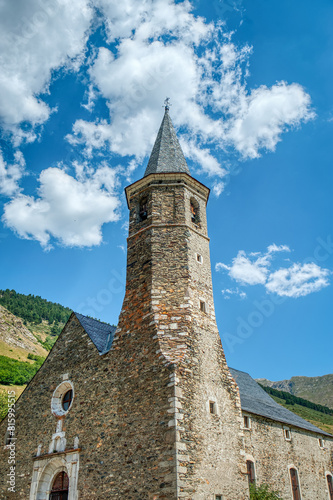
(165, 178)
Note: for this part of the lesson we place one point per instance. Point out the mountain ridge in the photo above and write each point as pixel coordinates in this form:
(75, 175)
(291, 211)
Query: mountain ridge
(316, 389)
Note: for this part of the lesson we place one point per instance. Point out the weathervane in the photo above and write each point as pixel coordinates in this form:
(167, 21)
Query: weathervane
(167, 103)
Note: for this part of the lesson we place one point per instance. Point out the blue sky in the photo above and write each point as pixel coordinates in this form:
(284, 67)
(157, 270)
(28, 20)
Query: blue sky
(81, 93)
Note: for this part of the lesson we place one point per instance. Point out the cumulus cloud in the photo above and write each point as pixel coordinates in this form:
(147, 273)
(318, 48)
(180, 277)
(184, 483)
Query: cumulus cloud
(265, 114)
(252, 269)
(72, 210)
(11, 174)
(256, 269)
(244, 271)
(151, 49)
(135, 84)
(150, 19)
(298, 280)
(36, 37)
(157, 54)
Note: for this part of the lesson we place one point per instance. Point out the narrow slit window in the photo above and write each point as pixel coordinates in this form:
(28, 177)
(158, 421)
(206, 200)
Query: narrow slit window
(250, 472)
(321, 443)
(202, 306)
(287, 434)
(218, 497)
(199, 258)
(212, 407)
(143, 209)
(295, 484)
(246, 420)
(330, 486)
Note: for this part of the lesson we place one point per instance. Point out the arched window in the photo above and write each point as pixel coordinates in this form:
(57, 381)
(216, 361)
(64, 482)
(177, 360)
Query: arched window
(250, 471)
(330, 485)
(143, 208)
(295, 484)
(194, 207)
(60, 487)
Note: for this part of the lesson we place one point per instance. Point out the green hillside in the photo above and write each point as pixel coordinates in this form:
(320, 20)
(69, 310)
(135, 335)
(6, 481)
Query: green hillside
(43, 318)
(315, 389)
(34, 309)
(14, 372)
(318, 415)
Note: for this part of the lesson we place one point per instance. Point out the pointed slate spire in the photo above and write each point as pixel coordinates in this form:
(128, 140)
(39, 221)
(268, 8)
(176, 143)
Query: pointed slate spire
(167, 155)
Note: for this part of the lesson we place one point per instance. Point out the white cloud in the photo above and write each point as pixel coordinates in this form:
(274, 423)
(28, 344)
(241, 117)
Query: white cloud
(218, 188)
(11, 174)
(91, 95)
(298, 280)
(277, 248)
(68, 209)
(150, 19)
(265, 114)
(244, 271)
(255, 269)
(36, 37)
(227, 292)
(135, 85)
(144, 68)
(161, 49)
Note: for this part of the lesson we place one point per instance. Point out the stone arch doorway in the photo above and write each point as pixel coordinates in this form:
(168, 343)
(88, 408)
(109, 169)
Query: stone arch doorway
(55, 472)
(60, 485)
(48, 476)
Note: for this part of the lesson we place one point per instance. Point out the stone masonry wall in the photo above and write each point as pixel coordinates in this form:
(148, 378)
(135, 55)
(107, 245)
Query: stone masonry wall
(119, 417)
(273, 455)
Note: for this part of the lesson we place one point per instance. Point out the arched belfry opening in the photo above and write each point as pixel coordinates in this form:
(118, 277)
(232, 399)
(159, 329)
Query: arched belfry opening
(60, 486)
(195, 212)
(143, 208)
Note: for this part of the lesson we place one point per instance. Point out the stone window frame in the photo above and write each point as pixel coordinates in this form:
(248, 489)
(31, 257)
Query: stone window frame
(56, 400)
(199, 258)
(321, 443)
(292, 466)
(212, 401)
(287, 433)
(203, 306)
(248, 418)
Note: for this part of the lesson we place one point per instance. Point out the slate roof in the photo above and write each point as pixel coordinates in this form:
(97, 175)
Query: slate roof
(167, 155)
(255, 400)
(101, 334)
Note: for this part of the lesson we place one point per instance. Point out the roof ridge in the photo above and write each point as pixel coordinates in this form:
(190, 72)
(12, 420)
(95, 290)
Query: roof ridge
(91, 318)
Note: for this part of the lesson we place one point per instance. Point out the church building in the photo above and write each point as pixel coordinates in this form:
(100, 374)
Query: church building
(150, 410)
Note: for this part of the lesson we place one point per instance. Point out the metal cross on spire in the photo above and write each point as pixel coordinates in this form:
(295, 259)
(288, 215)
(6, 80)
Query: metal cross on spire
(167, 103)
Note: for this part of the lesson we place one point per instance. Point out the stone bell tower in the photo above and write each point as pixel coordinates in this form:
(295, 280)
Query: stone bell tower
(177, 388)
